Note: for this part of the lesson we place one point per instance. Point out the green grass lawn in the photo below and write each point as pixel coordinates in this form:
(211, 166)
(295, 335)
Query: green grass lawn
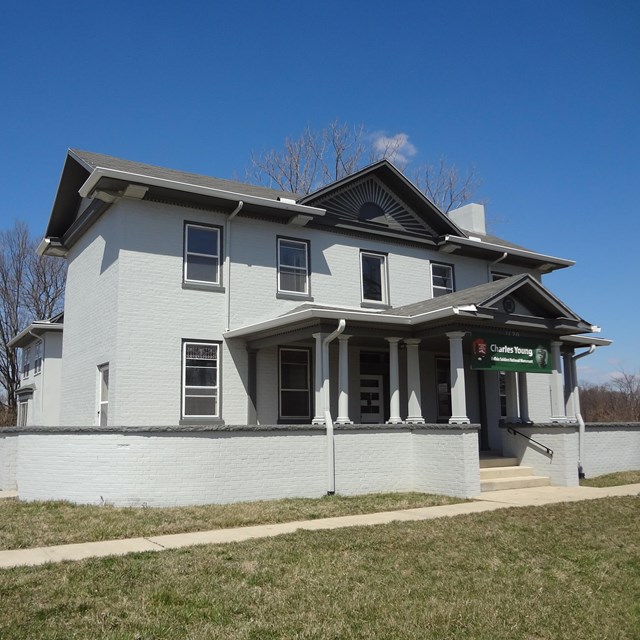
(612, 479)
(34, 524)
(561, 571)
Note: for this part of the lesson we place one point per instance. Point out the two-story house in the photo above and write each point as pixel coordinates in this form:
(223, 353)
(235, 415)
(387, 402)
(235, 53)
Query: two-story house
(224, 341)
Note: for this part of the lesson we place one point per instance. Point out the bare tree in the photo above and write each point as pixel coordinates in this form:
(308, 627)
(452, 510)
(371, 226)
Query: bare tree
(31, 288)
(445, 185)
(317, 158)
(618, 400)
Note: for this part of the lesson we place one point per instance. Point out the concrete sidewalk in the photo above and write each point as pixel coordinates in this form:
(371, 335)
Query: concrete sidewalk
(490, 501)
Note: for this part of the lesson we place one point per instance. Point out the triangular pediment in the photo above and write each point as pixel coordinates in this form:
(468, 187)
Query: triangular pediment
(381, 198)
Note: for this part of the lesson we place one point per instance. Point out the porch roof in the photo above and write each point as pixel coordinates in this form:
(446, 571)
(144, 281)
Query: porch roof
(473, 306)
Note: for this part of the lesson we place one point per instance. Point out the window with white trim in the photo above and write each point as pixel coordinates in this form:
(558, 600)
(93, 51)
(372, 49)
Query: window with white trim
(26, 361)
(373, 269)
(293, 266)
(443, 388)
(37, 364)
(200, 380)
(295, 384)
(202, 254)
(441, 279)
(103, 395)
(23, 410)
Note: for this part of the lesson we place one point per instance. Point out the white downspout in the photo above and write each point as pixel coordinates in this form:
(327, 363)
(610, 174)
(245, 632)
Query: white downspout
(576, 404)
(500, 259)
(227, 262)
(331, 457)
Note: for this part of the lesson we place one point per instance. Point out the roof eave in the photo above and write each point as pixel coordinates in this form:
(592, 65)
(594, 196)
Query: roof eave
(32, 332)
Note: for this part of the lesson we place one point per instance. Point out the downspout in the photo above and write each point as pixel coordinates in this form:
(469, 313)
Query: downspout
(576, 404)
(227, 262)
(500, 259)
(331, 457)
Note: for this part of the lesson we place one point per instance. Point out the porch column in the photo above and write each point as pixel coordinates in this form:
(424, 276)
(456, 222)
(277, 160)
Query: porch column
(458, 393)
(569, 394)
(414, 414)
(523, 397)
(557, 391)
(394, 382)
(343, 380)
(319, 415)
(511, 390)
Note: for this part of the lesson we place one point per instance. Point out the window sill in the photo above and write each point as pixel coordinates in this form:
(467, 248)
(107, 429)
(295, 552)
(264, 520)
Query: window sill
(285, 295)
(202, 286)
(196, 421)
(370, 304)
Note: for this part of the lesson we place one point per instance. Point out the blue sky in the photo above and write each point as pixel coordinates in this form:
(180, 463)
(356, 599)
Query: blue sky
(541, 97)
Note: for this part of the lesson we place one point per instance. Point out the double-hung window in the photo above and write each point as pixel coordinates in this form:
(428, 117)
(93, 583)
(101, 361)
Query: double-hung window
(441, 279)
(373, 269)
(293, 266)
(200, 380)
(202, 254)
(295, 384)
(26, 361)
(37, 364)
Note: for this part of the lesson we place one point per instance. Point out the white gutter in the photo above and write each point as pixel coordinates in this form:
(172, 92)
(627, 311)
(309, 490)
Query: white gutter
(227, 262)
(331, 453)
(353, 316)
(523, 253)
(90, 184)
(576, 404)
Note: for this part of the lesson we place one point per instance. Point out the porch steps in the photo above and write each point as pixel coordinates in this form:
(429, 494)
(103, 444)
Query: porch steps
(497, 473)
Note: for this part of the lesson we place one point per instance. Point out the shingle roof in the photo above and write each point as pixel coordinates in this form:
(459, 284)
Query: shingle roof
(95, 160)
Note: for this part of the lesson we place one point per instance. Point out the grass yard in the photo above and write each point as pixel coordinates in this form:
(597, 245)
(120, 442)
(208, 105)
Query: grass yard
(561, 571)
(34, 524)
(612, 479)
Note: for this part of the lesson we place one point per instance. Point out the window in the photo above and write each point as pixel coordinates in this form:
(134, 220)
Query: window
(373, 268)
(200, 380)
(443, 388)
(26, 360)
(23, 409)
(441, 279)
(103, 395)
(37, 365)
(503, 394)
(295, 387)
(496, 275)
(202, 254)
(293, 266)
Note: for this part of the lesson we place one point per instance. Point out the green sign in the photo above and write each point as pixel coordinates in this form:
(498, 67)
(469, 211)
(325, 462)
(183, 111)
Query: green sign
(508, 353)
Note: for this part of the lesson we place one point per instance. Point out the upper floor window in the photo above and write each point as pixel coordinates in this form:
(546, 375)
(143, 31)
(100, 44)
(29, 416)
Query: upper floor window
(293, 266)
(202, 254)
(496, 275)
(200, 380)
(373, 267)
(37, 364)
(26, 361)
(441, 279)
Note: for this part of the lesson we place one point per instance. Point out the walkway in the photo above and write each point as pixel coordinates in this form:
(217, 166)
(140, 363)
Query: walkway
(490, 501)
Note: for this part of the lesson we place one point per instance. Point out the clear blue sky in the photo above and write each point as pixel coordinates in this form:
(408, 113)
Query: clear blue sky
(542, 97)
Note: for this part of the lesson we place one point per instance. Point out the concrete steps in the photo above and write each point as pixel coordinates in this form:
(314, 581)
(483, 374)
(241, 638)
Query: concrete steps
(498, 473)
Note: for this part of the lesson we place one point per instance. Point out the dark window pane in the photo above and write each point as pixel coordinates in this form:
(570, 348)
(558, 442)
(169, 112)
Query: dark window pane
(293, 254)
(200, 377)
(294, 356)
(372, 277)
(293, 280)
(200, 240)
(294, 404)
(202, 268)
(200, 405)
(294, 376)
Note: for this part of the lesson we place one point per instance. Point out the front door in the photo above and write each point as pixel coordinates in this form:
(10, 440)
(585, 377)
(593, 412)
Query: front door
(371, 404)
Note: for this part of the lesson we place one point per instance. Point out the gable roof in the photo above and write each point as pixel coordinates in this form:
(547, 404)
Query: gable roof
(410, 202)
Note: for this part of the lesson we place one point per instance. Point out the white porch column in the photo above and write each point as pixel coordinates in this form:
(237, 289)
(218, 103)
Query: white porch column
(569, 394)
(319, 417)
(343, 380)
(511, 390)
(414, 414)
(523, 397)
(394, 382)
(557, 391)
(458, 392)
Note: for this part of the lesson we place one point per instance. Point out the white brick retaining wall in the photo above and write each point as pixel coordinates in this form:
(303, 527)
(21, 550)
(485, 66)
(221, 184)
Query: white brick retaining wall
(8, 458)
(199, 465)
(610, 448)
